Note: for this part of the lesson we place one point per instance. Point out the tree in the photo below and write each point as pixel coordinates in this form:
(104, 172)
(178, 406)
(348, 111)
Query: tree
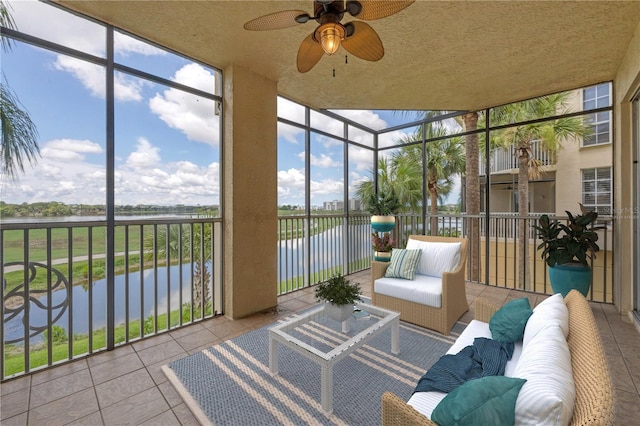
(19, 134)
(469, 123)
(402, 172)
(444, 159)
(551, 134)
(182, 244)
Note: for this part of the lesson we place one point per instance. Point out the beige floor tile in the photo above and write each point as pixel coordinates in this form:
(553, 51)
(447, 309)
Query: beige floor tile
(65, 410)
(185, 416)
(15, 385)
(152, 342)
(60, 387)
(199, 338)
(111, 369)
(136, 409)
(107, 356)
(170, 394)
(160, 352)
(19, 420)
(59, 371)
(14, 403)
(168, 418)
(123, 387)
(94, 419)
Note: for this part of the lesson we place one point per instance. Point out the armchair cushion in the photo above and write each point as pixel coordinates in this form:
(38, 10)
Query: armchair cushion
(437, 258)
(403, 264)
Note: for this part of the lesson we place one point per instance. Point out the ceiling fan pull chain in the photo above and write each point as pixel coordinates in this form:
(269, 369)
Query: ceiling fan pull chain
(334, 72)
(346, 59)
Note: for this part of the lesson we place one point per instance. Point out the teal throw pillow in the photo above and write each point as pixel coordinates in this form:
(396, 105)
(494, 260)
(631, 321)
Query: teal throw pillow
(507, 325)
(489, 400)
(403, 264)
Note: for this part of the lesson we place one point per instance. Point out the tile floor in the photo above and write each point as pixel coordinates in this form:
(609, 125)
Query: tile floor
(127, 387)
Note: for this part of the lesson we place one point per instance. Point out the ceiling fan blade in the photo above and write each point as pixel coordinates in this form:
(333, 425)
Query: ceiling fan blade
(277, 20)
(377, 9)
(309, 54)
(363, 42)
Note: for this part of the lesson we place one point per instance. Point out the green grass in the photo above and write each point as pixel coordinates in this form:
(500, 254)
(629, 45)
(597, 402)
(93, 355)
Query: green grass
(39, 355)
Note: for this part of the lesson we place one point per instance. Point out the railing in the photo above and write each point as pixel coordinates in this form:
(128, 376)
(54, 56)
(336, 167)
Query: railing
(55, 306)
(502, 159)
(311, 250)
(509, 264)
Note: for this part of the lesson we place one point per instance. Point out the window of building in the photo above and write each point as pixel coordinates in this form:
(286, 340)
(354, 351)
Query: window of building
(597, 97)
(596, 190)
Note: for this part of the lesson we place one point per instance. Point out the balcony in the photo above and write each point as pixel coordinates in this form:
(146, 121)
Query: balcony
(126, 386)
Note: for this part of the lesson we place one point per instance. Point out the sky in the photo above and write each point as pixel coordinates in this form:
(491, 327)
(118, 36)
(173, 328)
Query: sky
(167, 141)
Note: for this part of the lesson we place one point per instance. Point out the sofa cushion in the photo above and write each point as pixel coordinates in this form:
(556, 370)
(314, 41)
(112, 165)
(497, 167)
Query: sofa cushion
(552, 310)
(423, 289)
(508, 323)
(488, 400)
(548, 396)
(403, 264)
(436, 258)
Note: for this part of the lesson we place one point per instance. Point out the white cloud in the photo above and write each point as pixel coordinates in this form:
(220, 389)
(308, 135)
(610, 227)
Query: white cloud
(289, 133)
(361, 158)
(324, 161)
(145, 156)
(93, 78)
(69, 150)
(125, 45)
(192, 115)
(367, 118)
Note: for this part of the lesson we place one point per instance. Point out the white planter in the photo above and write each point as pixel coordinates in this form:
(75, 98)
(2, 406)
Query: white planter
(338, 312)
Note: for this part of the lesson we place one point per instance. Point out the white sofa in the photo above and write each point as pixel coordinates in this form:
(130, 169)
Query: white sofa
(560, 355)
(436, 297)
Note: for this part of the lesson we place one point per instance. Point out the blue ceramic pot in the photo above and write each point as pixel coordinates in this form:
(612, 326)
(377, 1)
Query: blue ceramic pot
(565, 278)
(383, 223)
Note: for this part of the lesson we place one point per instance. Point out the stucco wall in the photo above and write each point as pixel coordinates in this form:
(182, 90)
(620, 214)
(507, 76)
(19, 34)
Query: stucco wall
(250, 191)
(626, 84)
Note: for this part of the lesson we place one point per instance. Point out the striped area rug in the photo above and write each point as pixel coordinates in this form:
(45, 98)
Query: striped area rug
(230, 383)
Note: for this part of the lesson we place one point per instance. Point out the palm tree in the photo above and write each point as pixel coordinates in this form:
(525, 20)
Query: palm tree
(181, 243)
(469, 122)
(551, 134)
(402, 172)
(444, 159)
(19, 134)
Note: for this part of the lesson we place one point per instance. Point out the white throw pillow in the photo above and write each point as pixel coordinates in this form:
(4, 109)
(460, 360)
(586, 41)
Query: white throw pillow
(436, 258)
(548, 396)
(550, 311)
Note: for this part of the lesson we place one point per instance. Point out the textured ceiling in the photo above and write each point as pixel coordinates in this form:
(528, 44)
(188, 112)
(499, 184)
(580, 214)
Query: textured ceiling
(439, 55)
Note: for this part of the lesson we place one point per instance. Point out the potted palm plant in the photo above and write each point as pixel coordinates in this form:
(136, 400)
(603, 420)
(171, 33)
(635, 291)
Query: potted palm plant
(382, 208)
(340, 295)
(567, 250)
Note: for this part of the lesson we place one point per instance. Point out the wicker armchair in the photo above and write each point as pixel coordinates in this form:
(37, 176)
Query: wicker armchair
(454, 298)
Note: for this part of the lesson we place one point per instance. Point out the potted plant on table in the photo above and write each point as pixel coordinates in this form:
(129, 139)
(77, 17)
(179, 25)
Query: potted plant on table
(382, 246)
(382, 208)
(340, 295)
(567, 250)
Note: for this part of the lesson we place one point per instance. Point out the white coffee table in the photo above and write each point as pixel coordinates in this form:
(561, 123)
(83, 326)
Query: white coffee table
(284, 334)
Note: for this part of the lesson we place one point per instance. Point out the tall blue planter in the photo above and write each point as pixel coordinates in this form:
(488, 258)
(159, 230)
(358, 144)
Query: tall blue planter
(565, 278)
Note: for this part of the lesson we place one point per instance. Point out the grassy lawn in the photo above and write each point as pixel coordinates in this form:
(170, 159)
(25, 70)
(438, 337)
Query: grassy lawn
(38, 356)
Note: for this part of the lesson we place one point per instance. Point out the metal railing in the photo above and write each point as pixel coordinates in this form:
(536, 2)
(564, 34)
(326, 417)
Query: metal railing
(55, 306)
(508, 264)
(503, 159)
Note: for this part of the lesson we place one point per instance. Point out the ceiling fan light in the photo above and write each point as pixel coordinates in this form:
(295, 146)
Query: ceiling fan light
(330, 35)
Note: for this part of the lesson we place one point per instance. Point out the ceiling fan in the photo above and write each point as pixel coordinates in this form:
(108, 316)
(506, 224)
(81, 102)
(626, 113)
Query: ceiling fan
(357, 37)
